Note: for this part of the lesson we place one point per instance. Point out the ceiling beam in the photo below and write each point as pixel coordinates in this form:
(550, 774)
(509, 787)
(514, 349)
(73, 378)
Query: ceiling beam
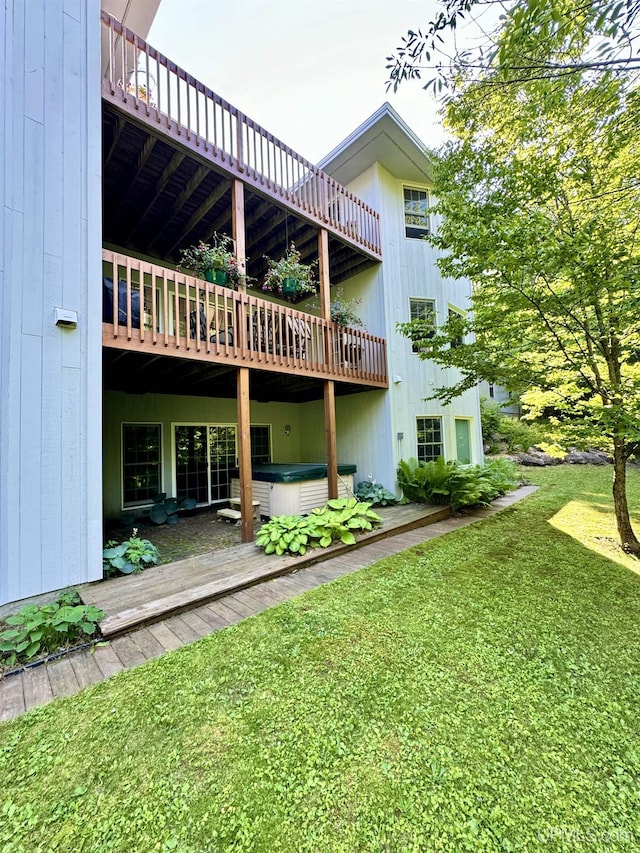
(197, 178)
(159, 188)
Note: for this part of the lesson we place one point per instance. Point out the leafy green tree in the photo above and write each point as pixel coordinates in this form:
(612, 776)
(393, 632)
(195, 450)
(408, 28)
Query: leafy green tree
(594, 35)
(539, 197)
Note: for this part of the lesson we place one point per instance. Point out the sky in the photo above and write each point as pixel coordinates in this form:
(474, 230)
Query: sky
(308, 71)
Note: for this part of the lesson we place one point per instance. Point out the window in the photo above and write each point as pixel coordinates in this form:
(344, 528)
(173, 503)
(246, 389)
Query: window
(260, 445)
(141, 463)
(458, 340)
(429, 434)
(416, 213)
(425, 310)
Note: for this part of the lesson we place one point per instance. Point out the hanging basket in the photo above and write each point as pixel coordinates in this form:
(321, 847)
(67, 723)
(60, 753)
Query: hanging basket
(217, 276)
(289, 286)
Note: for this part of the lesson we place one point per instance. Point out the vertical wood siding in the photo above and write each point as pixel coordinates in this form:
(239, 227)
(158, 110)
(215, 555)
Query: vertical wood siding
(50, 378)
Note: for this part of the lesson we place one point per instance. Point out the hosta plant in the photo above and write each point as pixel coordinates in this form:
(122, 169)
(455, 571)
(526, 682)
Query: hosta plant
(35, 631)
(374, 493)
(285, 533)
(339, 518)
(129, 557)
(337, 521)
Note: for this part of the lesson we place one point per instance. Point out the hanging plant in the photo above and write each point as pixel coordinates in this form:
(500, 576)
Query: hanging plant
(289, 277)
(214, 262)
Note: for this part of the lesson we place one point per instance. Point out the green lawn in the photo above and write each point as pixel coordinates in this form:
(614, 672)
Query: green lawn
(478, 692)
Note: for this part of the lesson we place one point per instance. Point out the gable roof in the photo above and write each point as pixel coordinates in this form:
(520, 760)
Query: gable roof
(385, 138)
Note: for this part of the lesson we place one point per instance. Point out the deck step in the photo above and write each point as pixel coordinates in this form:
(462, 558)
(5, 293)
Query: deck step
(229, 514)
(241, 575)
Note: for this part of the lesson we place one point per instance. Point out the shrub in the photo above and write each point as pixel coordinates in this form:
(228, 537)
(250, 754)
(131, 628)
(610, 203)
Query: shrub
(374, 493)
(284, 533)
(513, 434)
(337, 520)
(129, 557)
(34, 631)
(334, 522)
(450, 483)
(490, 417)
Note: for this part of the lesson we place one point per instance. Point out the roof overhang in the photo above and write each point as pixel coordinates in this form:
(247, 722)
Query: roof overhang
(384, 138)
(137, 15)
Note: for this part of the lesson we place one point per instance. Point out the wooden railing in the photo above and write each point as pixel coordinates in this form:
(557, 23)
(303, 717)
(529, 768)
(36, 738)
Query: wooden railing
(149, 308)
(141, 78)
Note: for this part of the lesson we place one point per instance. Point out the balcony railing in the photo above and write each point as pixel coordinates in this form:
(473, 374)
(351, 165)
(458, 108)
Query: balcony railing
(152, 309)
(144, 81)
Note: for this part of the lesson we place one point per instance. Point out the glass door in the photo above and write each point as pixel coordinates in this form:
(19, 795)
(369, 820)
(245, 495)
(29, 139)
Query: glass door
(192, 468)
(223, 460)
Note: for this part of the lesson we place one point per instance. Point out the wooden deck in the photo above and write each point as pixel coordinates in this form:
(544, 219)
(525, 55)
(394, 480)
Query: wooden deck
(67, 676)
(174, 587)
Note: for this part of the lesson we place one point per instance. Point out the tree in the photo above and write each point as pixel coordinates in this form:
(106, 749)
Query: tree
(602, 30)
(539, 197)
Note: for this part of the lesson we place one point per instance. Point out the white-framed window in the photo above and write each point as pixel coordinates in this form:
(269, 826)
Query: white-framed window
(206, 458)
(416, 213)
(141, 463)
(454, 314)
(429, 439)
(423, 309)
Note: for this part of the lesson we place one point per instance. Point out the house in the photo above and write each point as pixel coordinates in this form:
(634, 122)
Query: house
(121, 376)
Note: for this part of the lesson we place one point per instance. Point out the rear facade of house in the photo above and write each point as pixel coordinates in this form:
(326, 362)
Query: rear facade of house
(122, 376)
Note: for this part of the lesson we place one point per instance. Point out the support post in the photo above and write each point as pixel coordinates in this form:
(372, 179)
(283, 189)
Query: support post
(244, 454)
(238, 226)
(330, 433)
(323, 273)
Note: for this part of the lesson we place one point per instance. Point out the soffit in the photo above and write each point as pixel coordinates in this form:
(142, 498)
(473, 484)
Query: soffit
(384, 138)
(137, 15)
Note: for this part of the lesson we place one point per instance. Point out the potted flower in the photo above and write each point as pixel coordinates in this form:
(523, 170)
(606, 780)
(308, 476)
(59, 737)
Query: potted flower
(289, 277)
(343, 311)
(215, 262)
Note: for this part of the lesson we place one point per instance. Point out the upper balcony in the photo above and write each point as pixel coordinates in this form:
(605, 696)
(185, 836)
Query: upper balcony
(172, 149)
(210, 330)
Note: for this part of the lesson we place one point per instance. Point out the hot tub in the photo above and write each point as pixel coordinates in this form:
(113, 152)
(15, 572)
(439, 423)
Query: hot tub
(294, 488)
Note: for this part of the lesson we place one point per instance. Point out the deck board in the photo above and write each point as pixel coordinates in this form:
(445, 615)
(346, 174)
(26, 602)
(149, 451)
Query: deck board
(62, 678)
(12, 702)
(163, 590)
(36, 686)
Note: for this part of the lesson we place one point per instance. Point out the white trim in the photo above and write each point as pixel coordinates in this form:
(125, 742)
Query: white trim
(469, 422)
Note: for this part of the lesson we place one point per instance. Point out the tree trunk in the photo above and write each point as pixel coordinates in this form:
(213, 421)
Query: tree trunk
(628, 539)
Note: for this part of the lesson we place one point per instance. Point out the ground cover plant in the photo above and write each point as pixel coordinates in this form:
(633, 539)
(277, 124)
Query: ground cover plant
(475, 693)
(453, 484)
(132, 556)
(337, 521)
(37, 630)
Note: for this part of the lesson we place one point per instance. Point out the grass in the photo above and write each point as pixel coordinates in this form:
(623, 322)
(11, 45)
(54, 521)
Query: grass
(478, 692)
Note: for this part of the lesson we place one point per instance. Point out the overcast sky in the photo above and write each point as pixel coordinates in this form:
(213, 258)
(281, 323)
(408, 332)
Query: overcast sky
(309, 71)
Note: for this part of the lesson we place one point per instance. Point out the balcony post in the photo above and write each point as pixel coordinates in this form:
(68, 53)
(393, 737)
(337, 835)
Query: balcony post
(238, 226)
(330, 434)
(323, 273)
(244, 451)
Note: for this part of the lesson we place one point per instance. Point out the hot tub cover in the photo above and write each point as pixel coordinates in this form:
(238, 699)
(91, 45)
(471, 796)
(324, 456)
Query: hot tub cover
(296, 472)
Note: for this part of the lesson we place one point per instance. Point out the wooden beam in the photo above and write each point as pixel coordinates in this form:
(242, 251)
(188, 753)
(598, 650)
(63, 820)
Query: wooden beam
(161, 183)
(238, 227)
(117, 132)
(330, 435)
(244, 452)
(130, 189)
(202, 210)
(323, 274)
(197, 178)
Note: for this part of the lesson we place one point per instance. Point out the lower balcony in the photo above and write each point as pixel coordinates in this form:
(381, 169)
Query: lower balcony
(153, 311)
